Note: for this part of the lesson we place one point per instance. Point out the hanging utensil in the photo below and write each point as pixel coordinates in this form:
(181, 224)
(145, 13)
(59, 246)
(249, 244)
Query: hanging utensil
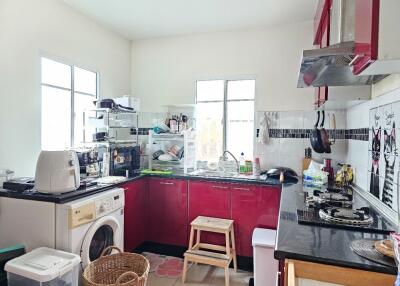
(324, 135)
(315, 137)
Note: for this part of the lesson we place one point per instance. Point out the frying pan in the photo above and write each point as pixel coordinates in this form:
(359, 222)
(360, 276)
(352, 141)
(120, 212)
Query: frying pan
(315, 137)
(324, 135)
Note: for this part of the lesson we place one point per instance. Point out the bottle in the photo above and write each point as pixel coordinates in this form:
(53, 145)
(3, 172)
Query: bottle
(256, 167)
(242, 163)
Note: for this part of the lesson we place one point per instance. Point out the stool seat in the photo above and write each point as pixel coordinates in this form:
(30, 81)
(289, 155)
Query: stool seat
(211, 254)
(212, 224)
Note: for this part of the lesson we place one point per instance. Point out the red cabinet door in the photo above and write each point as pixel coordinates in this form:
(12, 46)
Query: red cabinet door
(366, 34)
(168, 211)
(135, 214)
(322, 92)
(322, 12)
(253, 206)
(211, 199)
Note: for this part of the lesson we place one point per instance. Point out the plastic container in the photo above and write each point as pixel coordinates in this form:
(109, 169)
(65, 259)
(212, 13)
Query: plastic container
(265, 266)
(242, 163)
(45, 267)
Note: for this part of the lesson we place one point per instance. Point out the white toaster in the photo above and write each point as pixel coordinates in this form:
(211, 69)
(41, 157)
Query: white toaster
(57, 172)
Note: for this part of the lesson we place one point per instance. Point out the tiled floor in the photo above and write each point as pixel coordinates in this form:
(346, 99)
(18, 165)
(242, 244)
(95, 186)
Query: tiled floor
(203, 275)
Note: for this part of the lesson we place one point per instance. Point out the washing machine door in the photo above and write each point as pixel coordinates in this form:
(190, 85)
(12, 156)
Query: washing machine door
(104, 232)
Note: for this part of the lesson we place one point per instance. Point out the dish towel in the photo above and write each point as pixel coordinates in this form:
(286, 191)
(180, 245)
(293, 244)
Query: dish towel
(263, 137)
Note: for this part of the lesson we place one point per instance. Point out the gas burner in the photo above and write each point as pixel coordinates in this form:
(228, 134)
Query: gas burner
(332, 198)
(346, 216)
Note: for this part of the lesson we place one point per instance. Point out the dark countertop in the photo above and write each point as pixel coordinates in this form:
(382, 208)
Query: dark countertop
(91, 190)
(320, 244)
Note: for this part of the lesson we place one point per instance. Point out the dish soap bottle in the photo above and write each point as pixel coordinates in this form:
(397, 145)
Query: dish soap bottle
(242, 163)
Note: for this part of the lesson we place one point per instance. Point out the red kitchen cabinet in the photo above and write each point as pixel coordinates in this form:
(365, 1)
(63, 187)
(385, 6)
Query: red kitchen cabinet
(209, 199)
(320, 20)
(253, 206)
(135, 214)
(366, 34)
(168, 211)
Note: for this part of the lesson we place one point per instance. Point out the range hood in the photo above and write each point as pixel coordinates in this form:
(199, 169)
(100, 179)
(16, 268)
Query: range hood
(332, 66)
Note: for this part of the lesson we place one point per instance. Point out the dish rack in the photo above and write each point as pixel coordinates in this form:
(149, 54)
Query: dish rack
(164, 141)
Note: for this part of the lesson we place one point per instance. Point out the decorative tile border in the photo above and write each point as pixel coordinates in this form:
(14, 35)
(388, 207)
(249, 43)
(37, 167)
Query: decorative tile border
(361, 134)
(350, 134)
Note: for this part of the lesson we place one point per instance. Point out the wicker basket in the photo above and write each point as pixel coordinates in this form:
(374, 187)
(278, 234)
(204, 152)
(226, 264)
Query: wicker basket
(122, 268)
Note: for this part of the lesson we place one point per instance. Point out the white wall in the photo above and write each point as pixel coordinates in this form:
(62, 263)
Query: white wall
(29, 29)
(164, 70)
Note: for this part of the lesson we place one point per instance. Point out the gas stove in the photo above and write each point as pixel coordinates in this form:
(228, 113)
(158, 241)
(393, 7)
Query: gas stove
(330, 198)
(335, 208)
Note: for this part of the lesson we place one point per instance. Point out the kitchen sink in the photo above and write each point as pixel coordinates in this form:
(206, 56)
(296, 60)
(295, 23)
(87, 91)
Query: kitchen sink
(209, 173)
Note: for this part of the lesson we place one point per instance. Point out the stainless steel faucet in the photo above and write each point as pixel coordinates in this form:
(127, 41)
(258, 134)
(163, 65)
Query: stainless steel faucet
(225, 158)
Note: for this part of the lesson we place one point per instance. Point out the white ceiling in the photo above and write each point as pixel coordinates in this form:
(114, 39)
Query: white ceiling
(138, 19)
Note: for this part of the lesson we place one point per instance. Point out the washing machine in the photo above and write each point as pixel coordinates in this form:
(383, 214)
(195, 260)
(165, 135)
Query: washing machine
(89, 225)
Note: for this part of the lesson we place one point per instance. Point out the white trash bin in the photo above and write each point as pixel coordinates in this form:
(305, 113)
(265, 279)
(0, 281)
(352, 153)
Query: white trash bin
(265, 266)
(44, 267)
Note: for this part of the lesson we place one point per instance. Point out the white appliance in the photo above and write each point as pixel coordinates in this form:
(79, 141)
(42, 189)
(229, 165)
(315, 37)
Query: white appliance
(128, 101)
(265, 266)
(88, 225)
(57, 172)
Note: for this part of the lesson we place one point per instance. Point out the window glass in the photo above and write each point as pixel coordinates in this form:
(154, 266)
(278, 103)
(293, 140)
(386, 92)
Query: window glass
(210, 90)
(209, 125)
(241, 89)
(232, 112)
(83, 131)
(59, 118)
(56, 118)
(240, 128)
(85, 81)
(55, 73)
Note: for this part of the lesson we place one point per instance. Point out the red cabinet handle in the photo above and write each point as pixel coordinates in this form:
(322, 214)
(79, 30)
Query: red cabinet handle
(241, 189)
(166, 183)
(219, 187)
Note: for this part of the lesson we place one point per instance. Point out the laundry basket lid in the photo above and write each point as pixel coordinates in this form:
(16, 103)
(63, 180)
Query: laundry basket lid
(43, 264)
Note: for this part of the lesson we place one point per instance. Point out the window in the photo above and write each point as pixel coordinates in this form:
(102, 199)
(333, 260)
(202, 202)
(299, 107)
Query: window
(67, 91)
(225, 118)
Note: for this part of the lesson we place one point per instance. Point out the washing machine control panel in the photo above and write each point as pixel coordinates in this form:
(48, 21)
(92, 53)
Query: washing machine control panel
(108, 204)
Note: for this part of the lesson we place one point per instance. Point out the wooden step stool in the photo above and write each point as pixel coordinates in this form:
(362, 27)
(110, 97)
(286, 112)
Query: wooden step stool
(200, 252)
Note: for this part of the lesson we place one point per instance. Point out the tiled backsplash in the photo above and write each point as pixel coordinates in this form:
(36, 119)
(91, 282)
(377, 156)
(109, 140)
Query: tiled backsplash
(289, 136)
(354, 134)
(376, 161)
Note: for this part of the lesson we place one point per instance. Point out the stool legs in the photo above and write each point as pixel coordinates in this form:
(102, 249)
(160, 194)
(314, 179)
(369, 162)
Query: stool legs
(233, 249)
(227, 276)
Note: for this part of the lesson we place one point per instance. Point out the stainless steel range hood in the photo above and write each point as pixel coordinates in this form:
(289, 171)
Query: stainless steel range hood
(330, 66)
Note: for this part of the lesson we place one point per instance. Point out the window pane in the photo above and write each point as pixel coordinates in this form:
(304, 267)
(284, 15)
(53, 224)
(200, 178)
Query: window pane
(83, 102)
(210, 90)
(56, 73)
(56, 118)
(240, 128)
(209, 134)
(85, 81)
(241, 89)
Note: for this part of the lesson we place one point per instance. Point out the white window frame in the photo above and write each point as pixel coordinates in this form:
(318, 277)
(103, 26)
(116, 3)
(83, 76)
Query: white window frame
(71, 90)
(225, 104)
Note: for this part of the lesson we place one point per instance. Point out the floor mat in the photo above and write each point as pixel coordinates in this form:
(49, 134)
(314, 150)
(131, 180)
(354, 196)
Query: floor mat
(165, 266)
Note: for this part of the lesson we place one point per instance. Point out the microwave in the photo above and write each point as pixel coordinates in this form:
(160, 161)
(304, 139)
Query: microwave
(124, 159)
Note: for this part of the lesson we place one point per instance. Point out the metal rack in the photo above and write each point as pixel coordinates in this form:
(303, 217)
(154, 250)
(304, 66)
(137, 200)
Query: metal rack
(111, 123)
(187, 138)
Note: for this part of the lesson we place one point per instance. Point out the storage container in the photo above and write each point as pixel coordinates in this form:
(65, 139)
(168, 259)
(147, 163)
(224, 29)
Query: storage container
(265, 265)
(45, 267)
